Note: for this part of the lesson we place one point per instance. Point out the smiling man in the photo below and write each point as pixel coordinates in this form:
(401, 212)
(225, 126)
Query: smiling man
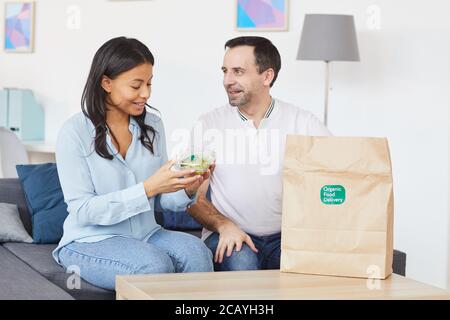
(242, 223)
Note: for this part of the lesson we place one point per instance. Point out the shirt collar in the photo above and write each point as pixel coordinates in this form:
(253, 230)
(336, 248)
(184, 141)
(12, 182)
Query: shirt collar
(133, 121)
(266, 115)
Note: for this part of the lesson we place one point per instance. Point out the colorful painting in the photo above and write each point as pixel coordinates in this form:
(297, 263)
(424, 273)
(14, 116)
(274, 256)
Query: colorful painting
(19, 26)
(262, 15)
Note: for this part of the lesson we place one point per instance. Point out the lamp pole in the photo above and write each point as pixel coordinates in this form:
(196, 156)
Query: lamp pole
(327, 91)
(338, 32)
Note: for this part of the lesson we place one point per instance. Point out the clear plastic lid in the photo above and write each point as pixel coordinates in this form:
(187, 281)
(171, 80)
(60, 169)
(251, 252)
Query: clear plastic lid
(199, 160)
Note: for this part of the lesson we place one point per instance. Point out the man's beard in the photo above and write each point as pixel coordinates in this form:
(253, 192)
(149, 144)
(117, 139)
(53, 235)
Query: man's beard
(241, 101)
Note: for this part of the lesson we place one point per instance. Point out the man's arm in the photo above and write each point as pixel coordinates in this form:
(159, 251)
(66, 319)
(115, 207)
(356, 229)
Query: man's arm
(230, 235)
(205, 213)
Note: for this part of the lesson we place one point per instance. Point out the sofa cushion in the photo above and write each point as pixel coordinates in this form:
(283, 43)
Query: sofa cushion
(20, 282)
(11, 227)
(39, 257)
(176, 220)
(11, 192)
(45, 201)
(180, 220)
(399, 263)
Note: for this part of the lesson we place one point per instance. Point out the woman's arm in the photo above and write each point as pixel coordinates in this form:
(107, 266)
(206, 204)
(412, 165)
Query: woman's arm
(174, 201)
(79, 192)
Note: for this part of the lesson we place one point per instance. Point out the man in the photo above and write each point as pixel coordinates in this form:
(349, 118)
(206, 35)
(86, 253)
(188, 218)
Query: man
(242, 223)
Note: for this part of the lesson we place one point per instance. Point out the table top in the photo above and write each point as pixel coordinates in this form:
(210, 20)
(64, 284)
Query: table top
(269, 285)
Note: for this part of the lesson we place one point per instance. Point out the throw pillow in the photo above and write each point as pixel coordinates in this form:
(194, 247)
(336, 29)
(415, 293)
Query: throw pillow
(45, 201)
(11, 227)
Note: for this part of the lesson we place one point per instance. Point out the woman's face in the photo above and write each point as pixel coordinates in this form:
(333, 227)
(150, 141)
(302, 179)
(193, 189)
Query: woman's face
(129, 91)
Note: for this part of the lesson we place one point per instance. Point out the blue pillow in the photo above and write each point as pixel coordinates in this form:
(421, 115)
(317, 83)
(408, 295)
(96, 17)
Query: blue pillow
(45, 201)
(181, 220)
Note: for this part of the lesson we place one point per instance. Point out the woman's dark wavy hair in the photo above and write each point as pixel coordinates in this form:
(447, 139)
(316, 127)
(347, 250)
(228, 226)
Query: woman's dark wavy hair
(116, 56)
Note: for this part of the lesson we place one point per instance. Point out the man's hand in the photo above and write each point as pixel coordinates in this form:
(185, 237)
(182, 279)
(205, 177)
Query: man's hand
(192, 189)
(231, 236)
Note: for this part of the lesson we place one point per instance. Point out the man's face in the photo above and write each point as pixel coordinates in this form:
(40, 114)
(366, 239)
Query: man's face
(241, 79)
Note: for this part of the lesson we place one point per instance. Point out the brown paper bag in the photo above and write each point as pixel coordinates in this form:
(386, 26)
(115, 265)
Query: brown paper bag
(337, 207)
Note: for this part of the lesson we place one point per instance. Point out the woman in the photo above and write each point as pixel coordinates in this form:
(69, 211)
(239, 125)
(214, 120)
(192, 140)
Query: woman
(111, 161)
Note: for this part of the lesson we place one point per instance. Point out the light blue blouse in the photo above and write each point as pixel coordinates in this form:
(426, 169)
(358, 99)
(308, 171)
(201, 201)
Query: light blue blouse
(106, 198)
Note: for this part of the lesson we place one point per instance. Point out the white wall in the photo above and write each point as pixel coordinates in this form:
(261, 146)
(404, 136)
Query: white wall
(399, 89)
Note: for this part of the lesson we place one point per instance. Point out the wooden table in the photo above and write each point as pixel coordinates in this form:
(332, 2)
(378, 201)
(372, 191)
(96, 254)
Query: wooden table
(269, 285)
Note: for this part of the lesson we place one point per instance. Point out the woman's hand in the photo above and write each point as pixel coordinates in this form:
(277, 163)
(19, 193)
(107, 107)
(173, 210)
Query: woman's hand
(165, 180)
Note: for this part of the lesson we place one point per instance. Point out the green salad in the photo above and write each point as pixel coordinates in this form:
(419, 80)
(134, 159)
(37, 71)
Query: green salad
(197, 162)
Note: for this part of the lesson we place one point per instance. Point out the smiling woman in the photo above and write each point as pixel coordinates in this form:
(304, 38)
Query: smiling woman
(113, 168)
(127, 96)
(121, 92)
(130, 86)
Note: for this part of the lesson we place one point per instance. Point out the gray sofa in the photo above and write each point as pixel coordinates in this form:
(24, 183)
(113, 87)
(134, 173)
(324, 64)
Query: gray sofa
(28, 271)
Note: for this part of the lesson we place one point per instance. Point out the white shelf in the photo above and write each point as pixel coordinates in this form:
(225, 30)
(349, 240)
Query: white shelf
(39, 146)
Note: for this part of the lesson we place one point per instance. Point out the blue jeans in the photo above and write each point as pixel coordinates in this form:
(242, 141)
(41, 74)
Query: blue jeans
(268, 256)
(164, 252)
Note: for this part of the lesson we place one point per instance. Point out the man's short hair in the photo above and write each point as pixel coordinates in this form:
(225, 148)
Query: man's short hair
(266, 54)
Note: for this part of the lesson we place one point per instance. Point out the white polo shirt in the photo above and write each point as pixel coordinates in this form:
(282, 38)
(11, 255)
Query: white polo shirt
(246, 186)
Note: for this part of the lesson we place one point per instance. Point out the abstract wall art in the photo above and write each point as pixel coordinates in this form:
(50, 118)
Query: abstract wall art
(19, 26)
(262, 15)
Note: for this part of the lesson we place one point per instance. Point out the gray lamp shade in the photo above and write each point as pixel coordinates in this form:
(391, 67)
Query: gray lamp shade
(328, 37)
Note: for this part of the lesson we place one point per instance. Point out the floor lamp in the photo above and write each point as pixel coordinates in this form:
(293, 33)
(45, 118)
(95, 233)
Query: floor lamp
(328, 37)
